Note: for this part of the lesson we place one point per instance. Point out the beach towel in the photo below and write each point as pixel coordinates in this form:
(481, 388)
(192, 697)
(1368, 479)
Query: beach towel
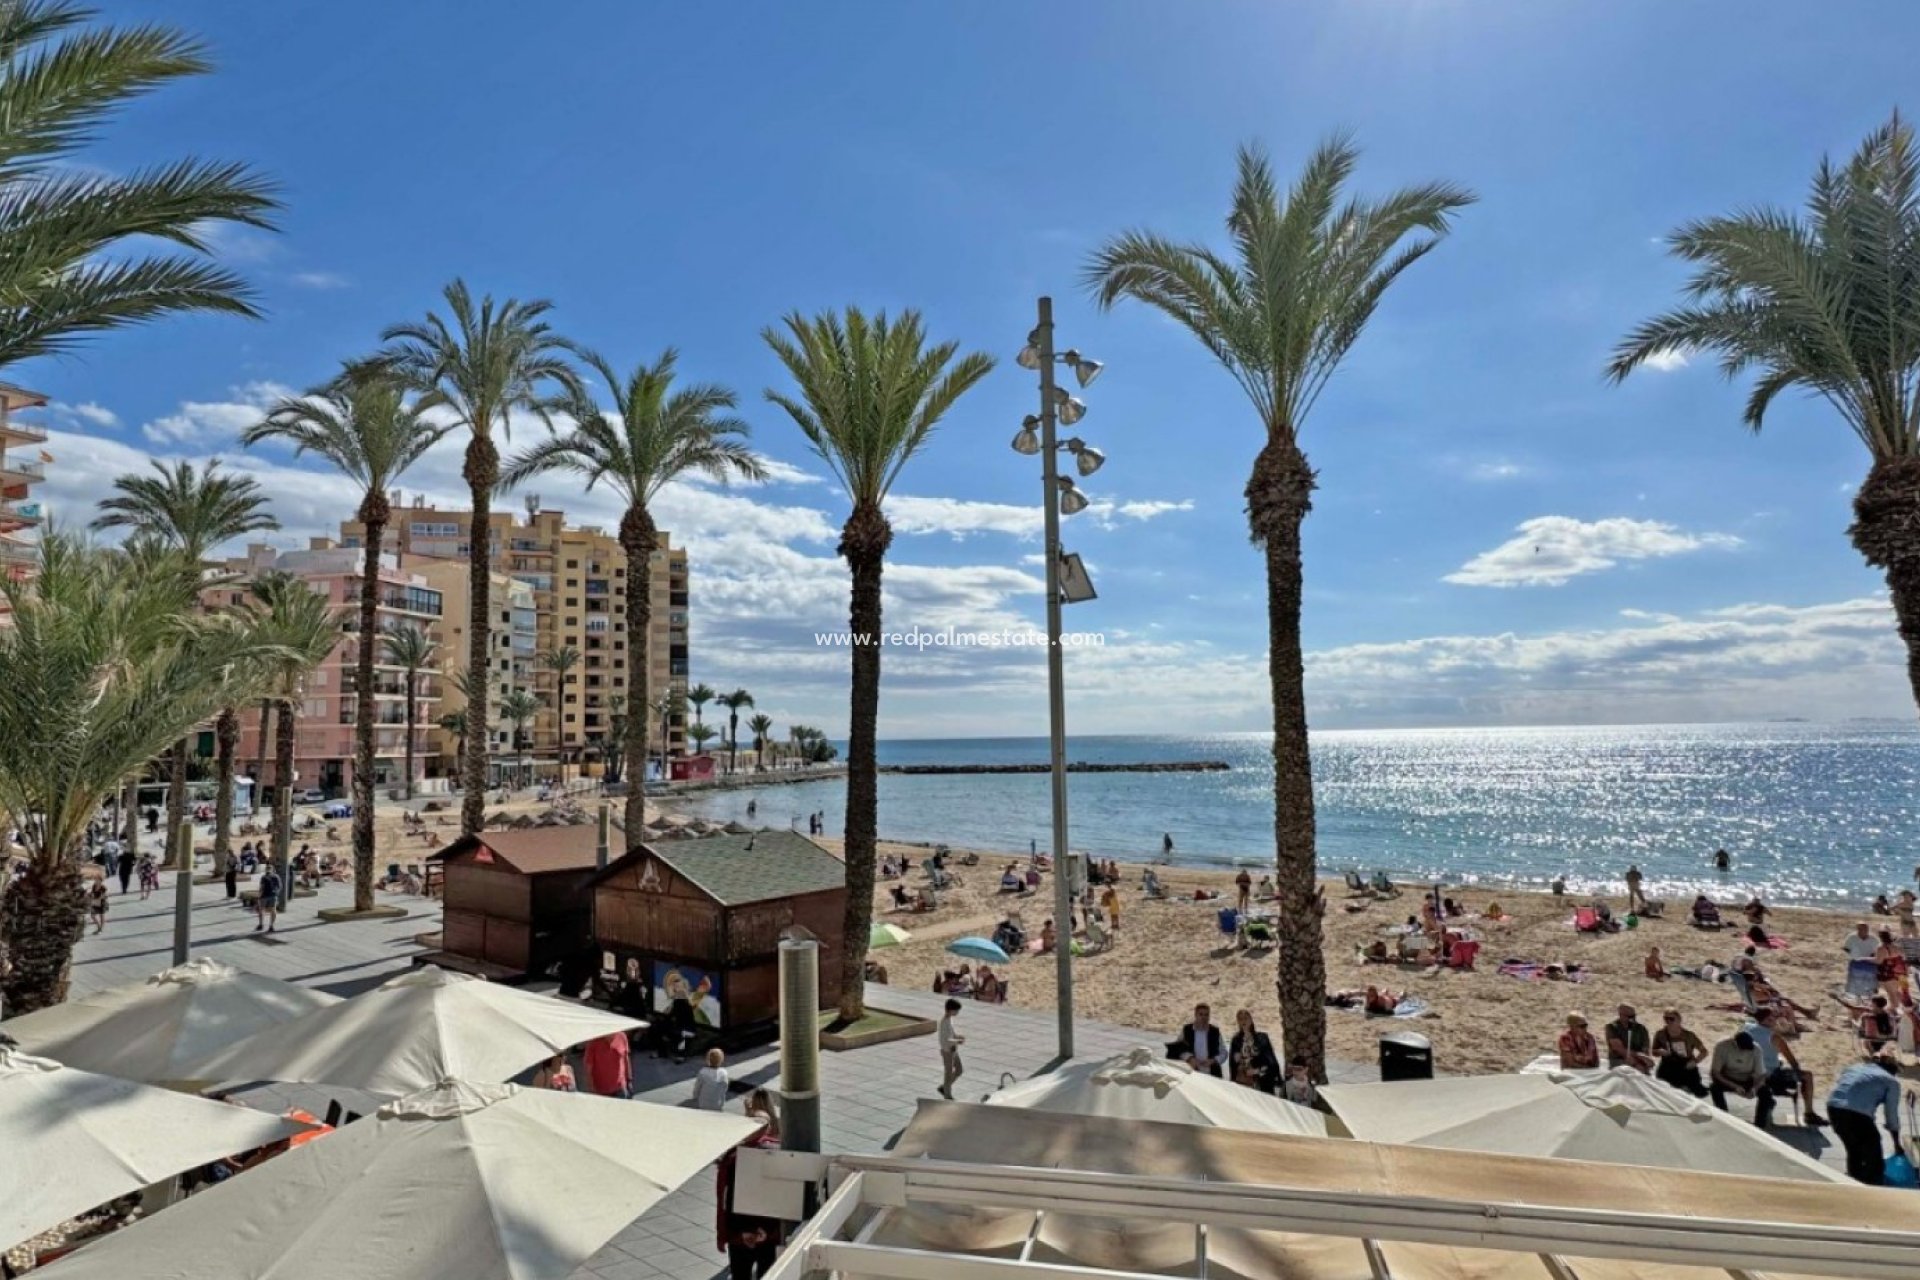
(1534, 971)
(1409, 1007)
(1863, 977)
(1776, 943)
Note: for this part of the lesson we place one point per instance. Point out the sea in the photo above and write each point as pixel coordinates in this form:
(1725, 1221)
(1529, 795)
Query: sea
(1815, 814)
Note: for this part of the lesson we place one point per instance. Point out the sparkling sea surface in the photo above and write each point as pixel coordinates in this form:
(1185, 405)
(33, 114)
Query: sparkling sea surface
(1818, 814)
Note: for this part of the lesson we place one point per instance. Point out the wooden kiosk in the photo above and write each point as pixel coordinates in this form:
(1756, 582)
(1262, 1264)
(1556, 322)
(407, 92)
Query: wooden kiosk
(703, 918)
(516, 902)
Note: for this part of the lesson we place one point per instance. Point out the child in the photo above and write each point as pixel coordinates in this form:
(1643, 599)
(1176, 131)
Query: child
(710, 1083)
(1299, 1085)
(555, 1073)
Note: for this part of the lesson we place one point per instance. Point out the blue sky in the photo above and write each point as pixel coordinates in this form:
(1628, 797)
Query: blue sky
(685, 175)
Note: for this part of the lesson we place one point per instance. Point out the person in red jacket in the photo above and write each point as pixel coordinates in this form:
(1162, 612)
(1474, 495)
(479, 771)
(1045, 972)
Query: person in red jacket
(750, 1243)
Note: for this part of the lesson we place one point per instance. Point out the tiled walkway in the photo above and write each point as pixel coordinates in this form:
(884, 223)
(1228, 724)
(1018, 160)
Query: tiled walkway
(869, 1094)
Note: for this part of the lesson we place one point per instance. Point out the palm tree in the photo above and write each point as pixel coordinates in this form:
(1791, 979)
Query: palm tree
(455, 723)
(107, 664)
(192, 511)
(302, 628)
(561, 662)
(1829, 303)
(700, 735)
(519, 707)
(367, 426)
(411, 649)
(668, 705)
(868, 393)
(733, 702)
(762, 728)
(655, 434)
(75, 254)
(699, 696)
(613, 763)
(486, 361)
(1280, 312)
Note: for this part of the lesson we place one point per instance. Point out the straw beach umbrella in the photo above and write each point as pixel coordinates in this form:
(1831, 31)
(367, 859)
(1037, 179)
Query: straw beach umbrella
(483, 1182)
(414, 1032)
(1618, 1116)
(153, 1030)
(75, 1139)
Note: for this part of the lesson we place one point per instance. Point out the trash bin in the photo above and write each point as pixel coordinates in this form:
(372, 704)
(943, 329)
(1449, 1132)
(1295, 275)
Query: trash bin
(1406, 1055)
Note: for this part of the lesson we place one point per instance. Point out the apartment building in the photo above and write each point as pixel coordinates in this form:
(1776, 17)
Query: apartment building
(323, 743)
(22, 458)
(515, 658)
(579, 584)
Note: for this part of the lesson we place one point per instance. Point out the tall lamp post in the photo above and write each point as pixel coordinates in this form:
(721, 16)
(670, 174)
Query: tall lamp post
(1066, 583)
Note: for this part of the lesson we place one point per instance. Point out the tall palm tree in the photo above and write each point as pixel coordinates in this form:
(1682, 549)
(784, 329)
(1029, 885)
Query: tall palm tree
(561, 661)
(654, 434)
(193, 511)
(762, 728)
(700, 735)
(107, 663)
(74, 241)
(868, 392)
(1830, 303)
(613, 763)
(519, 707)
(367, 424)
(733, 702)
(1281, 311)
(698, 697)
(669, 704)
(487, 360)
(301, 628)
(411, 649)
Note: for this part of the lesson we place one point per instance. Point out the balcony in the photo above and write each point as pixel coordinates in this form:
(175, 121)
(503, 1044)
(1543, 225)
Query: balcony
(20, 471)
(597, 587)
(24, 432)
(677, 600)
(19, 554)
(19, 515)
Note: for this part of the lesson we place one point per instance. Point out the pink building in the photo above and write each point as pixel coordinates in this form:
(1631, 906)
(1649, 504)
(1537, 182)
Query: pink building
(323, 745)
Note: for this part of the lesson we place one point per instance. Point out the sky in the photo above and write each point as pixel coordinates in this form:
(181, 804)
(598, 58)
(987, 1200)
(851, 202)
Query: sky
(1499, 536)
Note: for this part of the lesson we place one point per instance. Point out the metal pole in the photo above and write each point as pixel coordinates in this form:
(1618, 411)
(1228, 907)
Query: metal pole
(182, 889)
(1056, 687)
(606, 836)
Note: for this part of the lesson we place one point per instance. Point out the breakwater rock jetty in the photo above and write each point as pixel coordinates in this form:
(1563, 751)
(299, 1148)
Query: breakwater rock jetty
(1076, 766)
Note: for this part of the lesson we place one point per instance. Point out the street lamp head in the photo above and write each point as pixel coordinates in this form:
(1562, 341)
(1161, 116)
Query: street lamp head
(1029, 357)
(1088, 459)
(1070, 408)
(1072, 501)
(1028, 441)
(1084, 370)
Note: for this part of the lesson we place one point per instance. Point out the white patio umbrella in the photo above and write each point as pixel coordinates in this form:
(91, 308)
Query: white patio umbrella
(151, 1030)
(1143, 1085)
(1618, 1116)
(74, 1139)
(483, 1182)
(421, 1028)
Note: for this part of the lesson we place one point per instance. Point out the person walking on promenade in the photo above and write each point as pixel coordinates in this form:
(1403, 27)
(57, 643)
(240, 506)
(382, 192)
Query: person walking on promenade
(950, 1042)
(123, 866)
(266, 905)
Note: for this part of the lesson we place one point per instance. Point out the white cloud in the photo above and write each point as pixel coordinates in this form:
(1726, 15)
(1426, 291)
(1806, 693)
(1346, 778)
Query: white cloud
(960, 517)
(320, 280)
(1497, 470)
(1745, 661)
(1667, 361)
(214, 424)
(1550, 550)
(85, 412)
(1142, 510)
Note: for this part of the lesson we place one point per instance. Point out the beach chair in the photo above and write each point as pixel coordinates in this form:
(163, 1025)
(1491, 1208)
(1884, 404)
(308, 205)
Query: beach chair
(1098, 939)
(1229, 922)
(1741, 985)
(1356, 886)
(1706, 916)
(1384, 886)
(1586, 920)
(1462, 953)
(1259, 933)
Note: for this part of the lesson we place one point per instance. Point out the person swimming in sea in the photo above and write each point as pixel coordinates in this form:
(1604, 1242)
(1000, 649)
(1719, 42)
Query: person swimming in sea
(1722, 860)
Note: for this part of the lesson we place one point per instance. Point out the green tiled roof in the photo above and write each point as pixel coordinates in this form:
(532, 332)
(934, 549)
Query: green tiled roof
(779, 864)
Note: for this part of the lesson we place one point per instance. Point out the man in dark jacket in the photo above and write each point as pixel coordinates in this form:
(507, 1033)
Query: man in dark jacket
(1200, 1045)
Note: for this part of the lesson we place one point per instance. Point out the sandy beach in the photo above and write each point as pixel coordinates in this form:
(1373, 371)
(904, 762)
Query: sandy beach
(1170, 954)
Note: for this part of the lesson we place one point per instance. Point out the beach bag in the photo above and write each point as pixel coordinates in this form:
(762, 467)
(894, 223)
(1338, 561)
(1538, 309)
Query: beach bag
(1900, 1171)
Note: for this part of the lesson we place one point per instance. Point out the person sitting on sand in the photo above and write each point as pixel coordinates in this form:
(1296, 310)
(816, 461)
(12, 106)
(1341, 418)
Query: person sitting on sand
(901, 899)
(1881, 907)
(1756, 911)
(1010, 881)
(1579, 1051)
(1151, 884)
(987, 985)
(1049, 938)
(1878, 1026)
(1706, 913)
(1495, 912)
(1264, 891)
(1380, 1002)
(1656, 967)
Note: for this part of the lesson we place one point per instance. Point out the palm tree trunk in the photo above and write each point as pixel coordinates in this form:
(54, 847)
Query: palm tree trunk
(283, 797)
(1886, 530)
(481, 471)
(41, 917)
(226, 741)
(1279, 495)
(131, 826)
(412, 711)
(864, 544)
(260, 751)
(638, 538)
(177, 795)
(373, 514)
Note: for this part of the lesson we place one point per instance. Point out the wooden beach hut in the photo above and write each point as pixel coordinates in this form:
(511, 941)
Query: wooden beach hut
(703, 917)
(516, 901)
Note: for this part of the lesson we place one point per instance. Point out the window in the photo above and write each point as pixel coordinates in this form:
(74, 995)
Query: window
(446, 530)
(573, 602)
(573, 564)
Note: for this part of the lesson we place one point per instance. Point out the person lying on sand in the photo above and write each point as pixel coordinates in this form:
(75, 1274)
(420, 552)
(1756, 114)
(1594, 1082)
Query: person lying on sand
(1381, 1001)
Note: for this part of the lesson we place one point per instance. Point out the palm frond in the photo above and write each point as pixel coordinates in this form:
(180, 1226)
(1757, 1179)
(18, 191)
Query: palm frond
(192, 510)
